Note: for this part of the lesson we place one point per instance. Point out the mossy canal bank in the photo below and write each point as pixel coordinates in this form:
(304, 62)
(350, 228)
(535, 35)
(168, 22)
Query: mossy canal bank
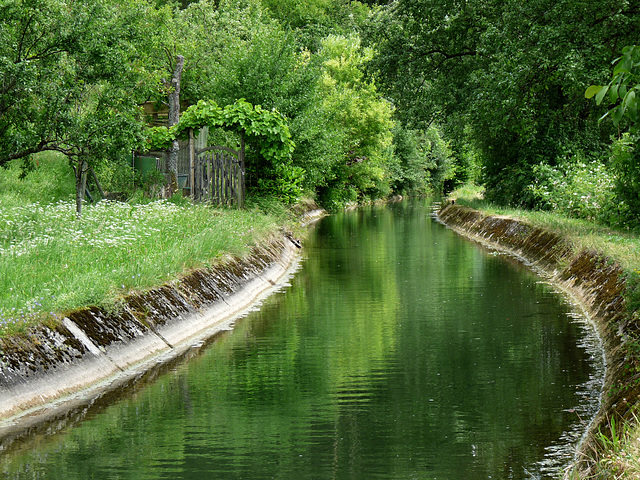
(596, 282)
(57, 371)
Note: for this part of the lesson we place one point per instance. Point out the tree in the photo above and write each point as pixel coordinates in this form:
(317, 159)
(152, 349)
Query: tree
(266, 130)
(365, 118)
(247, 55)
(622, 92)
(313, 20)
(507, 76)
(624, 88)
(171, 51)
(68, 71)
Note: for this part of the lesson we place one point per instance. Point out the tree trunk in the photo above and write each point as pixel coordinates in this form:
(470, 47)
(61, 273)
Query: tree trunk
(174, 117)
(81, 169)
(95, 179)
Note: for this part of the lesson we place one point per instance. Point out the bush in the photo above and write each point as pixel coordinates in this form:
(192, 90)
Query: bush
(118, 177)
(579, 188)
(624, 163)
(287, 184)
(439, 152)
(413, 176)
(337, 198)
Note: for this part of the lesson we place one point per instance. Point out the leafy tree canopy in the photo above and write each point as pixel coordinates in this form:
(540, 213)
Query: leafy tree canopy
(315, 19)
(67, 71)
(623, 88)
(510, 74)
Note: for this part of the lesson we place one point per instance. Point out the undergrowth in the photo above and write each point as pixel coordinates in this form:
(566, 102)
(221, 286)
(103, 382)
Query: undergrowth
(618, 453)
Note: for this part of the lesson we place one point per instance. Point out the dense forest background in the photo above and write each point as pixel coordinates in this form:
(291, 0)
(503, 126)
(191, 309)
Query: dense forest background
(408, 97)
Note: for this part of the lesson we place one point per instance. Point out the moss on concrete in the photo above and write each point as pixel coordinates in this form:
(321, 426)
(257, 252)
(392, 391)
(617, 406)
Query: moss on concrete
(594, 280)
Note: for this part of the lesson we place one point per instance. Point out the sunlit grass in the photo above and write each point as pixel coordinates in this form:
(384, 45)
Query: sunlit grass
(621, 459)
(51, 262)
(618, 456)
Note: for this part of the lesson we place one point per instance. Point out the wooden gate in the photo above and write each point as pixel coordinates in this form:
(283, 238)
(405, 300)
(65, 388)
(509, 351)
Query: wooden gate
(218, 176)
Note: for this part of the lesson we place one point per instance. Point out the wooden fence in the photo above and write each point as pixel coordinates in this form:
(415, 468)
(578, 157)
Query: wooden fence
(207, 174)
(218, 176)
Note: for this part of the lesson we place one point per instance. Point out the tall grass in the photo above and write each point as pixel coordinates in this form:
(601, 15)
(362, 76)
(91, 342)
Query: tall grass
(51, 179)
(619, 454)
(51, 262)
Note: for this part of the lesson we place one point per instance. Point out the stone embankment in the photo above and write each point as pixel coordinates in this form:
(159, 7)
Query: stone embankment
(593, 280)
(59, 368)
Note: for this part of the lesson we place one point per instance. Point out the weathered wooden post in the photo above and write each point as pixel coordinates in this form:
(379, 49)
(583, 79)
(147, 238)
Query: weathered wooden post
(192, 164)
(241, 193)
(173, 87)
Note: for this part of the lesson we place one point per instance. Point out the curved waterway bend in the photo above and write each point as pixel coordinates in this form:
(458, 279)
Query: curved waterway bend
(399, 351)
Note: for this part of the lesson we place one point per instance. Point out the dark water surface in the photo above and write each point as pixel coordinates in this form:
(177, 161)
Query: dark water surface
(399, 351)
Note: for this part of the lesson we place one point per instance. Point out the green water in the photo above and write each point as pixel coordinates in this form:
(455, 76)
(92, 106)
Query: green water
(398, 351)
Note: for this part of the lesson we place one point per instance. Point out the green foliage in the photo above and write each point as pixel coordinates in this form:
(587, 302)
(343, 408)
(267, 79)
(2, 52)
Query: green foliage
(624, 163)
(250, 56)
(617, 457)
(441, 157)
(52, 262)
(320, 144)
(265, 130)
(74, 75)
(624, 88)
(69, 70)
(266, 66)
(468, 156)
(117, 177)
(580, 188)
(355, 108)
(426, 161)
(315, 19)
(266, 127)
(287, 184)
(341, 127)
(50, 180)
(413, 176)
(506, 77)
(71, 75)
(335, 199)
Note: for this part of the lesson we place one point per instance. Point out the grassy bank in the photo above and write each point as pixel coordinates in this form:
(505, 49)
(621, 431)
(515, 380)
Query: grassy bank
(619, 454)
(52, 262)
(621, 245)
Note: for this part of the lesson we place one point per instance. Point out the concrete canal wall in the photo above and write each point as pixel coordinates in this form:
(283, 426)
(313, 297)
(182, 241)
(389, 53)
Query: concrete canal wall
(58, 368)
(62, 367)
(593, 280)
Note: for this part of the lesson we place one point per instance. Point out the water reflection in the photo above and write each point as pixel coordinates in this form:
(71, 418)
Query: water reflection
(399, 351)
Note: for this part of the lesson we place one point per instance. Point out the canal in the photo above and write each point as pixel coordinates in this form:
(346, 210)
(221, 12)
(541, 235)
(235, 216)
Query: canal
(398, 351)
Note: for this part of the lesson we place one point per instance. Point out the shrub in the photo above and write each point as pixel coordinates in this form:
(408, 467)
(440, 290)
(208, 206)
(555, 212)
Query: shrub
(118, 177)
(578, 188)
(624, 163)
(336, 198)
